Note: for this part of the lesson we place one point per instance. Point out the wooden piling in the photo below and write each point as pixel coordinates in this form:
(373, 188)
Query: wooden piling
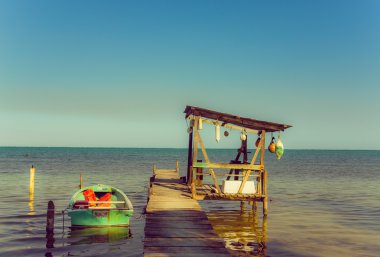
(190, 156)
(199, 175)
(31, 180)
(265, 200)
(242, 206)
(193, 191)
(50, 217)
(81, 182)
(50, 228)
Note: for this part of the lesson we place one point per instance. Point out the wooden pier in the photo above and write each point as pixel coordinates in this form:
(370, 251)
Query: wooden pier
(246, 179)
(175, 223)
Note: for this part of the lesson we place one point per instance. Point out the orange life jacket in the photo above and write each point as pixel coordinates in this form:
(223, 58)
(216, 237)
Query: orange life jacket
(105, 198)
(89, 195)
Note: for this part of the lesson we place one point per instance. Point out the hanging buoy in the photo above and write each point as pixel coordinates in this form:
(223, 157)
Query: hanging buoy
(279, 149)
(272, 146)
(258, 138)
(243, 136)
(200, 124)
(226, 133)
(257, 141)
(217, 133)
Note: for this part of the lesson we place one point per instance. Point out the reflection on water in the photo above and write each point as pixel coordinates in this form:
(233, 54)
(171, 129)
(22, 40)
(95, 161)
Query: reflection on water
(242, 230)
(31, 204)
(98, 235)
(80, 237)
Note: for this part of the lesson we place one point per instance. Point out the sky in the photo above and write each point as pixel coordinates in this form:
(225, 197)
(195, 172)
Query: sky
(120, 73)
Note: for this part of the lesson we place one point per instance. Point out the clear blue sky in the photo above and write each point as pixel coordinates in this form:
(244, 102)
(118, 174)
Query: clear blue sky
(120, 73)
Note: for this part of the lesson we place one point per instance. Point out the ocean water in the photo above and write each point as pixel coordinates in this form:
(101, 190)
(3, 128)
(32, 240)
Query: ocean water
(322, 203)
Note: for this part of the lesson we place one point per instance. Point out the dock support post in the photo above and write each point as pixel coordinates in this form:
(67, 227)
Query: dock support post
(265, 200)
(190, 155)
(254, 206)
(242, 206)
(193, 191)
(199, 175)
(264, 231)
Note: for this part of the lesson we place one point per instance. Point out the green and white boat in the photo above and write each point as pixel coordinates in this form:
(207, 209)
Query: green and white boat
(98, 206)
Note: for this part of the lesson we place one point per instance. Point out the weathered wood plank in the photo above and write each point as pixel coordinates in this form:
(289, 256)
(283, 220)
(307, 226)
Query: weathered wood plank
(226, 166)
(175, 223)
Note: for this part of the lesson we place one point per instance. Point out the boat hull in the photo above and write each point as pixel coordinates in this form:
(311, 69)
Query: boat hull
(100, 218)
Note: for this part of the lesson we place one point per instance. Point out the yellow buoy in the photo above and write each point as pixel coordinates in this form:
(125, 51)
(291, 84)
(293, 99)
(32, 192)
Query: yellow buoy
(243, 136)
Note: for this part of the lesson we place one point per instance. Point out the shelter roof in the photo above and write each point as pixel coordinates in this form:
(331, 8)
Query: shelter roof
(236, 120)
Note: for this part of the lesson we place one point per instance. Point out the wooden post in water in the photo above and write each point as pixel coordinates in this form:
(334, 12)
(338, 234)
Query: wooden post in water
(254, 205)
(177, 167)
(242, 206)
(50, 228)
(81, 182)
(264, 239)
(265, 200)
(264, 174)
(50, 217)
(31, 190)
(31, 181)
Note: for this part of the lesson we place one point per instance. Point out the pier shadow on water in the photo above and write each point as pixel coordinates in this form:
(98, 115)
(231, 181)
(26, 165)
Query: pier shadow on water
(244, 231)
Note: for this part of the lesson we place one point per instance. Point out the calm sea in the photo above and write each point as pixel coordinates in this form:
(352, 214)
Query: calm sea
(323, 203)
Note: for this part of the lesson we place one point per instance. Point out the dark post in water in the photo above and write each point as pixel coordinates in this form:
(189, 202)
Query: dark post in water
(50, 217)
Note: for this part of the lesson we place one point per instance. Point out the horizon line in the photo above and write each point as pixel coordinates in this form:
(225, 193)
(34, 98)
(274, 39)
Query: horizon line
(181, 148)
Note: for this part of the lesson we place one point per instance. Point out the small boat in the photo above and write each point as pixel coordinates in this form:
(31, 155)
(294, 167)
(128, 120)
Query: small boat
(98, 206)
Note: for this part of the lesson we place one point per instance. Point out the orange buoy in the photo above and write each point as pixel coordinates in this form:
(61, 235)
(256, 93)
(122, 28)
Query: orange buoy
(272, 146)
(257, 141)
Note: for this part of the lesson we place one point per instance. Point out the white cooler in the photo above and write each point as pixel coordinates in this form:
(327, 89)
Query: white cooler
(232, 187)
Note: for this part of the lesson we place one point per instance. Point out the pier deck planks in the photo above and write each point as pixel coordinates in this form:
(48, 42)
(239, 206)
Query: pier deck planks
(175, 223)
